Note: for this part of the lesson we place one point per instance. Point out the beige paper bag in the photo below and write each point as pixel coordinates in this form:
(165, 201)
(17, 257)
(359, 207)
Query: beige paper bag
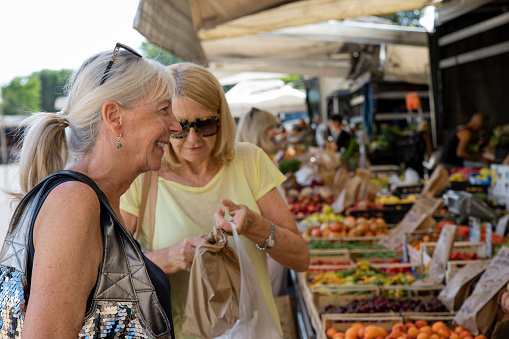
(437, 182)
(419, 217)
(456, 291)
(436, 272)
(478, 312)
(214, 287)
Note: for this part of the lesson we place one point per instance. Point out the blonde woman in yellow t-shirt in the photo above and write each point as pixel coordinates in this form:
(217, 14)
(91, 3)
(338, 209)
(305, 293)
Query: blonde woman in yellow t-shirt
(206, 170)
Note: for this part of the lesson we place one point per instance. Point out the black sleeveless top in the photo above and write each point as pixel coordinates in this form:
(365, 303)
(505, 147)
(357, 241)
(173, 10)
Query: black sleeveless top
(156, 274)
(449, 156)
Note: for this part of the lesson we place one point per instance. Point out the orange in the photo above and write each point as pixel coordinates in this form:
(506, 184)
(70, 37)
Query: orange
(330, 332)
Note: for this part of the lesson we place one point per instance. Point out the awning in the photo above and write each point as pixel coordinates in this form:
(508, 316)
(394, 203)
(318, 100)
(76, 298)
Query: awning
(180, 26)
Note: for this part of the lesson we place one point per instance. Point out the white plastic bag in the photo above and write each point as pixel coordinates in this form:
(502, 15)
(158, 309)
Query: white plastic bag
(255, 319)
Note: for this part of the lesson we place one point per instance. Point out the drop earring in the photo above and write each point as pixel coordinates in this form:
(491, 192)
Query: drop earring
(119, 145)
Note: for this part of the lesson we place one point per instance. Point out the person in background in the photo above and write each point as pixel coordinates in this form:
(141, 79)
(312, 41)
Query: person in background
(259, 128)
(321, 131)
(418, 145)
(455, 150)
(115, 125)
(205, 170)
(341, 132)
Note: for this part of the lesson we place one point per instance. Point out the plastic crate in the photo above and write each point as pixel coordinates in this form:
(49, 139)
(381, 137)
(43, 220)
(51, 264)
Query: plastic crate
(468, 187)
(393, 214)
(405, 190)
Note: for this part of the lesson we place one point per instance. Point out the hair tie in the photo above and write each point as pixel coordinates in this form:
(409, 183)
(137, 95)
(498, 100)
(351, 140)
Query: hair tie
(62, 121)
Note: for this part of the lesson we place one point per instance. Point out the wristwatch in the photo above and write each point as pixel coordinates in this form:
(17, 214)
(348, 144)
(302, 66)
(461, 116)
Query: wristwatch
(271, 239)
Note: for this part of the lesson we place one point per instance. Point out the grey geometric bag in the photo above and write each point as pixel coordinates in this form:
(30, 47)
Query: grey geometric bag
(124, 305)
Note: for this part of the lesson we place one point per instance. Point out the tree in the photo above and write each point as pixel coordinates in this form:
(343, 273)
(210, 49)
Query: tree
(22, 95)
(52, 87)
(157, 53)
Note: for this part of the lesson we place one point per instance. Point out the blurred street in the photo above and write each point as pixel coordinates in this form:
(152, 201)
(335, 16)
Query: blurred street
(8, 180)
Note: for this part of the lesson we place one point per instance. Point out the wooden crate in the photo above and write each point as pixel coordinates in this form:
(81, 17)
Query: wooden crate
(453, 266)
(310, 306)
(423, 292)
(342, 322)
(458, 246)
(374, 254)
(430, 318)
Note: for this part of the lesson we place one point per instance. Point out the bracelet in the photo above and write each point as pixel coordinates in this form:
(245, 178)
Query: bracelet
(271, 239)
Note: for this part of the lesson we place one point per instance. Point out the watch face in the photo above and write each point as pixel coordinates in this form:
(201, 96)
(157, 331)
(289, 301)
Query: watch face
(270, 243)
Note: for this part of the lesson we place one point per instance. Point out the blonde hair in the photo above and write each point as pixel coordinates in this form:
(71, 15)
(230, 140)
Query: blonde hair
(253, 128)
(196, 83)
(47, 148)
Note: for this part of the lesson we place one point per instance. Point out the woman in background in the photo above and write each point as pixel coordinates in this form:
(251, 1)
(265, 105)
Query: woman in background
(259, 128)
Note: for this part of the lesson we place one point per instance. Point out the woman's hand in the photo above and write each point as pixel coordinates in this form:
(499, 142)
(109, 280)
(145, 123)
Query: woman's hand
(178, 257)
(239, 214)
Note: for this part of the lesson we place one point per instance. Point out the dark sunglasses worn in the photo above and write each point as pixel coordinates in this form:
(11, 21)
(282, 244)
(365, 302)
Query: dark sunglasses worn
(117, 48)
(204, 127)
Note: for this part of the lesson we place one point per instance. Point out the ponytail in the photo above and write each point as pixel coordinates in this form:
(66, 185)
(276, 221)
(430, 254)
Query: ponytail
(44, 149)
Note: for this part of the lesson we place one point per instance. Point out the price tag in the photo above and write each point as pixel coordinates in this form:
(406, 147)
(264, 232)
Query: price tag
(475, 229)
(489, 245)
(502, 225)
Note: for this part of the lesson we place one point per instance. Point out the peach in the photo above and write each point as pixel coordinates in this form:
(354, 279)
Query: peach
(339, 335)
(330, 332)
(399, 327)
(426, 329)
(423, 335)
(464, 334)
(480, 336)
(409, 324)
(413, 332)
(396, 334)
(437, 326)
(421, 323)
(459, 329)
(434, 336)
(454, 335)
(444, 332)
(352, 332)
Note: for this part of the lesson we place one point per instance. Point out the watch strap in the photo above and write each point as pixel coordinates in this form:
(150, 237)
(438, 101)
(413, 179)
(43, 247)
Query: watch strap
(271, 239)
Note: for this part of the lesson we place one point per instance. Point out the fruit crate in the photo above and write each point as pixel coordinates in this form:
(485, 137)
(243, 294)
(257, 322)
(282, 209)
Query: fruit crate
(453, 266)
(404, 190)
(325, 260)
(408, 291)
(375, 254)
(394, 213)
(467, 187)
(343, 322)
(459, 246)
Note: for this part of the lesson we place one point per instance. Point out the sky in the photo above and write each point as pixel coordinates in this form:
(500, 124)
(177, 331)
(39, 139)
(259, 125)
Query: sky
(58, 34)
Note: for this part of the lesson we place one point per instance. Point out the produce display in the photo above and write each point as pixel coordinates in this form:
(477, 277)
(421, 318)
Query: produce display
(326, 215)
(308, 201)
(363, 273)
(393, 199)
(350, 227)
(420, 329)
(378, 304)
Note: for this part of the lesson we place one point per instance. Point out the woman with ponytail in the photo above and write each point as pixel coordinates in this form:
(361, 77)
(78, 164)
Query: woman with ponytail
(83, 275)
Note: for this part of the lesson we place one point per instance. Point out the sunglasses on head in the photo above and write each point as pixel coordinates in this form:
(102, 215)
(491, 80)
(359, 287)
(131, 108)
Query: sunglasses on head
(204, 127)
(117, 48)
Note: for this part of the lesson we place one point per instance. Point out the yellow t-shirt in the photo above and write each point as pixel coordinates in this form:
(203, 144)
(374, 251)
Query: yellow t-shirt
(184, 211)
